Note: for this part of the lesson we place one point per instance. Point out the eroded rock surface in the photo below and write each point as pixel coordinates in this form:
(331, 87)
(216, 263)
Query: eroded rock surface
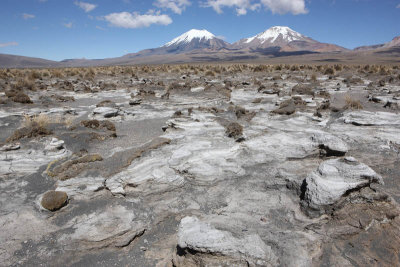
(237, 165)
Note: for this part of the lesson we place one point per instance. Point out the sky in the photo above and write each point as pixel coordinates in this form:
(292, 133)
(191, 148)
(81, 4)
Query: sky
(65, 29)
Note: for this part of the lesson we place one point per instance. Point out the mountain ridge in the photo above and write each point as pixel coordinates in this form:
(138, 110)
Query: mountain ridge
(202, 45)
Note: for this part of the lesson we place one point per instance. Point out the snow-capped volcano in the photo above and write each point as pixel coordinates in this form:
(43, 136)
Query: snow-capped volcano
(284, 39)
(195, 39)
(272, 34)
(189, 36)
(273, 37)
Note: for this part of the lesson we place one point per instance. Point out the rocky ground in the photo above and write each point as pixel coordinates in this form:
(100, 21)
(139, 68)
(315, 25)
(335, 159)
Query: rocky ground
(231, 165)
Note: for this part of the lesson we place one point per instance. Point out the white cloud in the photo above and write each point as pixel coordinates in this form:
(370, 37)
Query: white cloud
(68, 25)
(28, 16)
(8, 44)
(242, 6)
(177, 6)
(398, 6)
(135, 20)
(295, 7)
(87, 7)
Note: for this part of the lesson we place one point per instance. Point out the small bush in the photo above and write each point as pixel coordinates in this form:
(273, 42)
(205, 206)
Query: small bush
(329, 71)
(352, 103)
(22, 98)
(31, 127)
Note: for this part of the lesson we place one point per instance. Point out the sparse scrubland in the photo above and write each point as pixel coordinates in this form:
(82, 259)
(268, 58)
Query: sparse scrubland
(200, 165)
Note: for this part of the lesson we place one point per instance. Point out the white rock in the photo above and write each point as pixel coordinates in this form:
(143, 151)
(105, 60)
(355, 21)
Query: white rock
(81, 187)
(54, 145)
(366, 118)
(197, 89)
(109, 225)
(330, 142)
(334, 178)
(200, 236)
(106, 112)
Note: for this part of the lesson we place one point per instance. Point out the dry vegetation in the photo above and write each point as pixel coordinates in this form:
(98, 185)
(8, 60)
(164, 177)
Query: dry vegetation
(352, 103)
(26, 79)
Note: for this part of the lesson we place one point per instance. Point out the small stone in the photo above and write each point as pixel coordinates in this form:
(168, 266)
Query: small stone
(54, 200)
(106, 112)
(135, 102)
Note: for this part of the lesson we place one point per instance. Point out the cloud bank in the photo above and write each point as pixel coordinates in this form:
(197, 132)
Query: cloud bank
(177, 6)
(295, 7)
(135, 20)
(87, 7)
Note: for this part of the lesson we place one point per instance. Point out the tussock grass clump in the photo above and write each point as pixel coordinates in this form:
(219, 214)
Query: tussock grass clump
(32, 127)
(234, 130)
(210, 73)
(24, 84)
(57, 73)
(352, 103)
(22, 98)
(329, 71)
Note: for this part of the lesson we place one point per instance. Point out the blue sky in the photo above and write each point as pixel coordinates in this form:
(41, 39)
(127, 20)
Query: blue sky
(61, 29)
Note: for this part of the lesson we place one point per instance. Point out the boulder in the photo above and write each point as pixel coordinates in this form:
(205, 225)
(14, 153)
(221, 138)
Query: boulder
(54, 200)
(333, 179)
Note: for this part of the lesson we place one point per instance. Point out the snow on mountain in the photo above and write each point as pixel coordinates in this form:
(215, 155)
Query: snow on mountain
(272, 34)
(194, 40)
(284, 39)
(187, 37)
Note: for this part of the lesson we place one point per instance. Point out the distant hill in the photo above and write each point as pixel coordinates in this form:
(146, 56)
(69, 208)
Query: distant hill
(13, 61)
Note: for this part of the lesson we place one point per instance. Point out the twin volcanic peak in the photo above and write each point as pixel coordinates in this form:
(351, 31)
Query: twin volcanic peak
(278, 37)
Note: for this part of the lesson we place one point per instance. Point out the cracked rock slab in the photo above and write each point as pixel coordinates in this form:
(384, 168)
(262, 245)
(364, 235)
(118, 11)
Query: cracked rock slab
(334, 178)
(196, 235)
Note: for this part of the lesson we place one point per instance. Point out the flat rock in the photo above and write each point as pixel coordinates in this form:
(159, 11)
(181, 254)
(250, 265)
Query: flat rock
(54, 200)
(201, 237)
(82, 187)
(366, 118)
(106, 112)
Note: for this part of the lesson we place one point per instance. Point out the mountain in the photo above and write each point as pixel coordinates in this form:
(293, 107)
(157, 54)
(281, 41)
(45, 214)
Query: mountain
(277, 44)
(392, 44)
(195, 39)
(189, 41)
(13, 61)
(287, 40)
(368, 47)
